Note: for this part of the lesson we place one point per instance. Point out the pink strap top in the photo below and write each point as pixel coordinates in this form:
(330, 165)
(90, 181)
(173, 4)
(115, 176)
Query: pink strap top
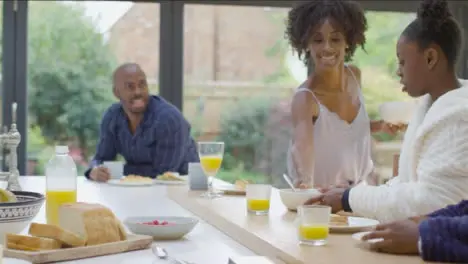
(342, 150)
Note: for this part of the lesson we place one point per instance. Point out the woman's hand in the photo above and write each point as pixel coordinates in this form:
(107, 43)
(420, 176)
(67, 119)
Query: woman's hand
(301, 184)
(381, 126)
(330, 198)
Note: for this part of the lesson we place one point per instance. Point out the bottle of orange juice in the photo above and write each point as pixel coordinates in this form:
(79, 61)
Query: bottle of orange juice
(61, 179)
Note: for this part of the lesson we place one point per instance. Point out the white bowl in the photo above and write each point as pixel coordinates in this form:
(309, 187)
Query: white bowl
(176, 229)
(398, 112)
(292, 199)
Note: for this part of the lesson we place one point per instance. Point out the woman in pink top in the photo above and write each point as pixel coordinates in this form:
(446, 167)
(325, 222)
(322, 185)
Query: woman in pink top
(331, 142)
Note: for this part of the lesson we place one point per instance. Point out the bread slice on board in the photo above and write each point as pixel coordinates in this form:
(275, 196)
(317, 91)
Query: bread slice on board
(54, 232)
(29, 243)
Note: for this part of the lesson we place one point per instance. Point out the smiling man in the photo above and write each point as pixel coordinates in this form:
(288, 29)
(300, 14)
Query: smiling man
(149, 132)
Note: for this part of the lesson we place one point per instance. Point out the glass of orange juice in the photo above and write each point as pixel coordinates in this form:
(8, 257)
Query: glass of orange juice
(313, 224)
(258, 198)
(211, 157)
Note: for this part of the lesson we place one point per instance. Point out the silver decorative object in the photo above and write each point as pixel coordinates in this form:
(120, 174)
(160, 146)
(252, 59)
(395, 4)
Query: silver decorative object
(10, 140)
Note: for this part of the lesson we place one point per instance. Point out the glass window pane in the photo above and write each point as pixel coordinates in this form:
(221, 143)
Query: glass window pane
(2, 154)
(73, 48)
(378, 64)
(237, 72)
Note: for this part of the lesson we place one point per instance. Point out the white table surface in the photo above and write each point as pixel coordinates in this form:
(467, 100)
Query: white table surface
(204, 245)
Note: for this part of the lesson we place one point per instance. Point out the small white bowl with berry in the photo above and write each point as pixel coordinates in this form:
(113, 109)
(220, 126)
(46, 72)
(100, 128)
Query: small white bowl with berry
(161, 227)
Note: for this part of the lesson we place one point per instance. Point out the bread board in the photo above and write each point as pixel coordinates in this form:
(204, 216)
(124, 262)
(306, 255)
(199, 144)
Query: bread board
(133, 242)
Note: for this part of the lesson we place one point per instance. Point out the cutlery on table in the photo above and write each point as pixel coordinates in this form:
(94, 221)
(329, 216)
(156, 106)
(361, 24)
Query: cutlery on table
(289, 182)
(162, 254)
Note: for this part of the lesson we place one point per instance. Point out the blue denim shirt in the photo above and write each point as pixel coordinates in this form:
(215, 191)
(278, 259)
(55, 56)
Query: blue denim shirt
(162, 141)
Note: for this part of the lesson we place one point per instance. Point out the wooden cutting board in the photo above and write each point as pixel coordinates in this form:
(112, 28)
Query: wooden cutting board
(133, 242)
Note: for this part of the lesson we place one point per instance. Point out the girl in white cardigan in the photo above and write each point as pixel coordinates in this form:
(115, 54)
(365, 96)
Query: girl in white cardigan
(433, 165)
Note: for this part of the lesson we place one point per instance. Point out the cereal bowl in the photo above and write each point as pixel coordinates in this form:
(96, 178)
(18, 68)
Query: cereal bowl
(161, 227)
(292, 199)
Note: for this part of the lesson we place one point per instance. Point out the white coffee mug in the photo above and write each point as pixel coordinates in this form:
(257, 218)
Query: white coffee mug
(116, 168)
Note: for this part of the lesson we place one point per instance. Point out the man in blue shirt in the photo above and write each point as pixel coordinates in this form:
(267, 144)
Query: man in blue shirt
(149, 132)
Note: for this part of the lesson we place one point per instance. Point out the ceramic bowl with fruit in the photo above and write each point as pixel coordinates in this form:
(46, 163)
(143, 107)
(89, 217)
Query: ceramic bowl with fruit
(17, 209)
(294, 198)
(161, 227)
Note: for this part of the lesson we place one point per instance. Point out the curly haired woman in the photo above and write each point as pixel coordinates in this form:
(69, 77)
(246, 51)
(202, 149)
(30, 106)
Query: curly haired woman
(331, 142)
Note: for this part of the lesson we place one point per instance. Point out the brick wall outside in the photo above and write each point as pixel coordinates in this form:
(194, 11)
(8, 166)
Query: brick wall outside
(224, 43)
(135, 37)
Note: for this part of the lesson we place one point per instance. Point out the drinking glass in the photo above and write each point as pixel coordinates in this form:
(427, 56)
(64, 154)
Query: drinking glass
(258, 198)
(314, 224)
(211, 157)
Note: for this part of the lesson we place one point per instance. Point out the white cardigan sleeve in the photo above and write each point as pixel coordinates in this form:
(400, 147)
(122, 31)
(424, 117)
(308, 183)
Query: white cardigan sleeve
(442, 174)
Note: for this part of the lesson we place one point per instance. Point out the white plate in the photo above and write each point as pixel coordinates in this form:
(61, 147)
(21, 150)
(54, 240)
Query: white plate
(355, 224)
(130, 183)
(358, 237)
(14, 261)
(164, 182)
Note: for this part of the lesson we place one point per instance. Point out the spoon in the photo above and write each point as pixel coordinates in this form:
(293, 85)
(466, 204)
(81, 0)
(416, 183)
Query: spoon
(289, 182)
(159, 252)
(162, 254)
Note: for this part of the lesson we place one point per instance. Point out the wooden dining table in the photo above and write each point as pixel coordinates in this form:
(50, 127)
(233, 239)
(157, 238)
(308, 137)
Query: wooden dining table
(204, 245)
(275, 235)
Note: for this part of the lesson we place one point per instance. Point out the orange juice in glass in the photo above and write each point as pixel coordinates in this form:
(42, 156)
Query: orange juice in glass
(211, 157)
(211, 164)
(258, 198)
(313, 226)
(258, 205)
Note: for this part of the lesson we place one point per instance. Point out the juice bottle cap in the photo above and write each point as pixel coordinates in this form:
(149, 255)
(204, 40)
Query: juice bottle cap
(61, 149)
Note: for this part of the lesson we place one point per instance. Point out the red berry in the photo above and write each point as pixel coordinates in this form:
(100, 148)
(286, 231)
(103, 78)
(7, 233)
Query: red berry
(156, 222)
